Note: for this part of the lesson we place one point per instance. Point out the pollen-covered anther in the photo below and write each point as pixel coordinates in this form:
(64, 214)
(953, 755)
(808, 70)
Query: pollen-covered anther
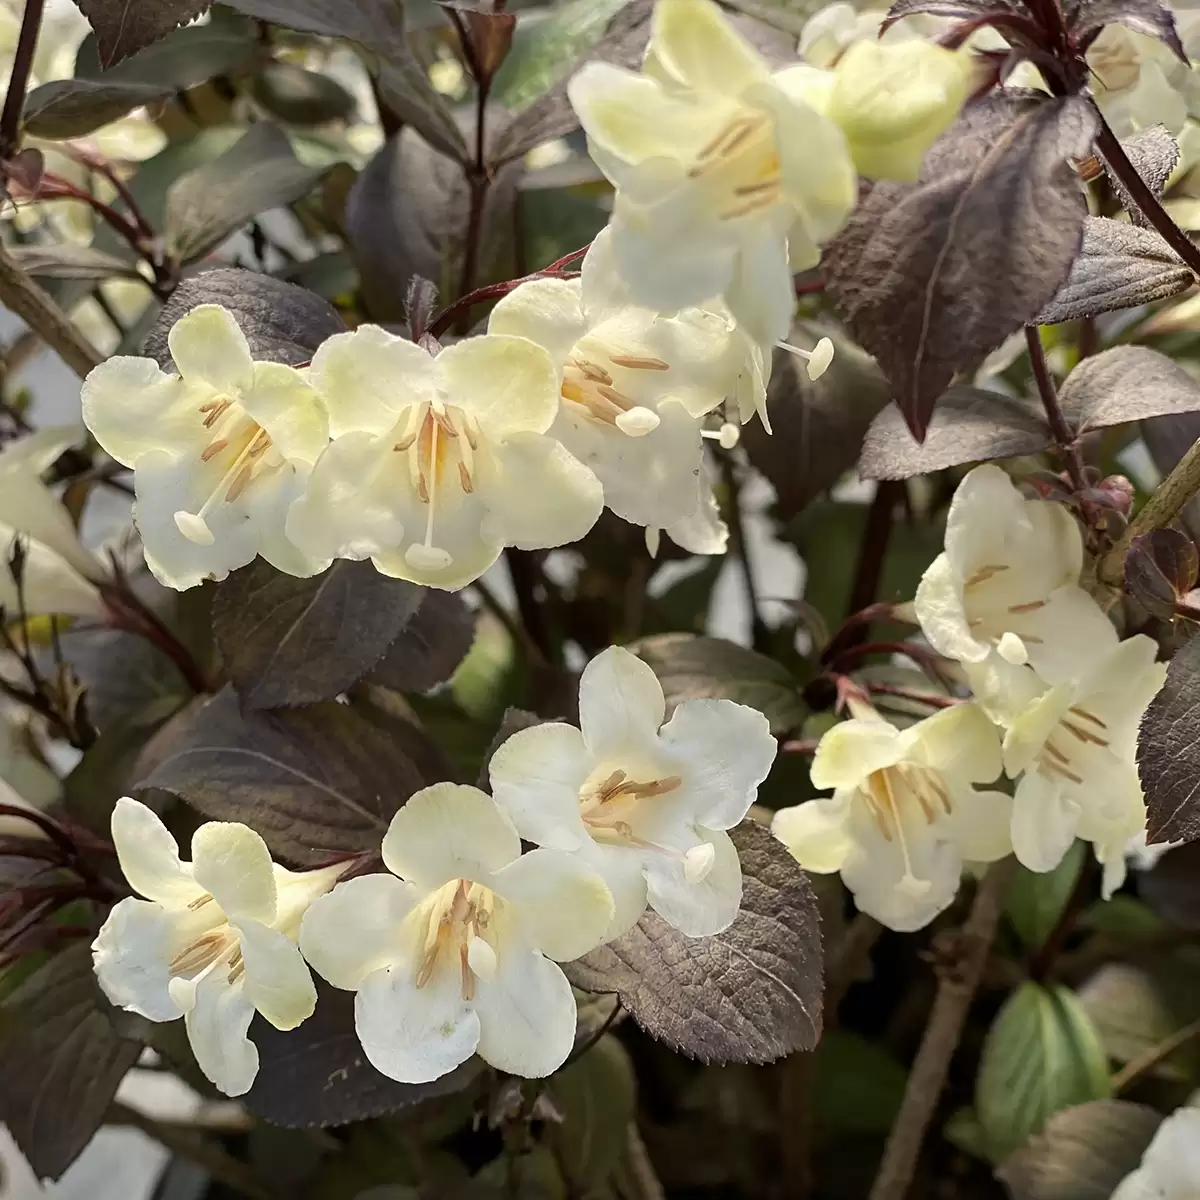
(458, 914)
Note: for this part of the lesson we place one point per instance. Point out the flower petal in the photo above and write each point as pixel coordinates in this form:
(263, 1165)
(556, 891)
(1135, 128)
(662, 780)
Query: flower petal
(449, 831)
(268, 505)
(980, 825)
(816, 832)
(1066, 635)
(958, 741)
(232, 862)
(622, 869)
(132, 407)
(563, 909)
(356, 929)
(130, 956)
(209, 348)
(697, 45)
(702, 531)
(415, 1034)
(48, 584)
(648, 480)
(761, 294)
(621, 703)
(536, 776)
(630, 118)
(216, 1029)
(546, 311)
(167, 485)
(508, 384)
(537, 494)
(852, 750)
(149, 856)
(1045, 821)
(277, 979)
(526, 1015)
(726, 750)
(939, 608)
(286, 406)
(703, 908)
(367, 378)
(349, 505)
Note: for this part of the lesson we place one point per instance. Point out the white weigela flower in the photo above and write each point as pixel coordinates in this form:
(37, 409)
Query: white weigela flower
(634, 383)
(219, 451)
(643, 803)
(1073, 748)
(59, 574)
(439, 463)
(892, 100)
(1138, 81)
(905, 814)
(459, 954)
(1170, 1168)
(728, 180)
(1009, 581)
(214, 940)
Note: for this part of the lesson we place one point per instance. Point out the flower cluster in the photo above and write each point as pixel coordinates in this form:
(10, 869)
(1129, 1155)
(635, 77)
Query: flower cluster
(455, 949)
(584, 392)
(1057, 701)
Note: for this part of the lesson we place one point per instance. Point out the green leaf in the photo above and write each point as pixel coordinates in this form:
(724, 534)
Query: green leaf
(1042, 1054)
(181, 60)
(859, 1085)
(68, 261)
(546, 43)
(596, 1096)
(123, 27)
(70, 108)
(692, 667)
(749, 994)
(282, 322)
(60, 1061)
(1037, 900)
(1083, 1153)
(314, 782)
(259, 173)
(301, 97)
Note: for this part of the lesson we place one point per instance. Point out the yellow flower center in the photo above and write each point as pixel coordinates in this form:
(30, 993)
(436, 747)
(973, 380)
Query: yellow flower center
(741, 164)
(593, 387)
(460, 923)
(1059, 756)
(439, 442)
(238, 446)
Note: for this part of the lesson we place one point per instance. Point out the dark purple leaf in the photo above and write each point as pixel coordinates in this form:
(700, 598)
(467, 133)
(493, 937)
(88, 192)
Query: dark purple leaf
(1168, 752)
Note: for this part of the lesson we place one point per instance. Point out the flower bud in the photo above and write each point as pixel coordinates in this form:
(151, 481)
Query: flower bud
(892, 100)
(1160, 569)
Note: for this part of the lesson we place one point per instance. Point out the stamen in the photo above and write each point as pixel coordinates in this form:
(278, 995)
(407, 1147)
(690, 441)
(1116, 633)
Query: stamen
(200, 901)
(638, 364)
(200, 953)
(983, 574)
(213, 449)
(1055, 752)
(464, 478)
(1084, 735)
(611, 394)
(1058, 770)
(1032, 606)
(743, 210)
(468, 977)
(238, 486)
(754, 189)
(237, 966)
(1084, 715)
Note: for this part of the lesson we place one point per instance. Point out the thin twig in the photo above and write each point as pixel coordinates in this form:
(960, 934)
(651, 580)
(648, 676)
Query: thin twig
(932, 699)
(1144, 1063)
(872, 554)
(34, 305)
(1110, 150)
(637, 1157)
(1064, 436)
(1158, 512)
(1081, 895)
(942, 1035)
(513, 627)
(18, 79)
(740, 545)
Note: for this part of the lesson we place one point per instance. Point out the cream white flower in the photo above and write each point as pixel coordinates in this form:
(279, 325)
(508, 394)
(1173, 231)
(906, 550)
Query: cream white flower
(1009, 581)
(59, 574)
(214, 940)
(1073, 748)
(1170, 1168)
(728, 180)
(905, 814)
(892, 100)
(439, 463)
(459, 954)
(643, 803)
(634, 383)
(832, 30)
(219, 451)
(1138, 81)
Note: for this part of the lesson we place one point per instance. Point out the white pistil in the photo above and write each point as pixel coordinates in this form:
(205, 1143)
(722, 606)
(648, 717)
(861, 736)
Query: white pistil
(818, 358)
(698, 863)
(726, 437)
(233, 482)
